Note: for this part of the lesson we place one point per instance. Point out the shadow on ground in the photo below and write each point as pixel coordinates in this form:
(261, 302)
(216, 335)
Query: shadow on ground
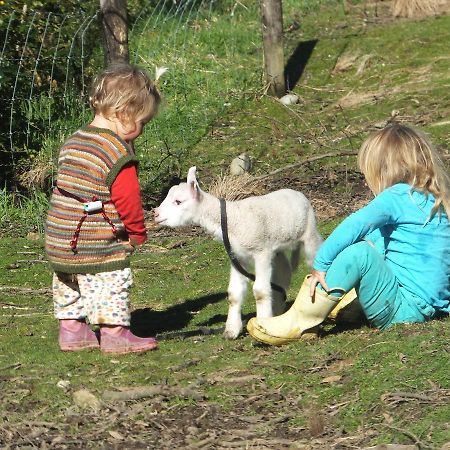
(170, 322)
(297, 63)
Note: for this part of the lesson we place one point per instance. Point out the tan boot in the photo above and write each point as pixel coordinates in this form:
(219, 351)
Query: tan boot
(305, 314)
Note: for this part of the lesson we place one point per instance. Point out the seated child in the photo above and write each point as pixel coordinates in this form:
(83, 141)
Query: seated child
(395, 251)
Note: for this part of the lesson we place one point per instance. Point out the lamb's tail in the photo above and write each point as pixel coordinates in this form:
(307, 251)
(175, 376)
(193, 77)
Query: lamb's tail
(311, 239)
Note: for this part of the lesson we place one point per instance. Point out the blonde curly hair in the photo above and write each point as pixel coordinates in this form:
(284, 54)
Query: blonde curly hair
(126, 91)
(401, 154)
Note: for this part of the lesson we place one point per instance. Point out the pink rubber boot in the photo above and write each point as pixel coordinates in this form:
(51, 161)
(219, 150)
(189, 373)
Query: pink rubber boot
(76, 335)
(120, 340)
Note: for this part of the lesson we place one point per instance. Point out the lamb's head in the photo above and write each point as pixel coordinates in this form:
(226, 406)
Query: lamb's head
(180, 206)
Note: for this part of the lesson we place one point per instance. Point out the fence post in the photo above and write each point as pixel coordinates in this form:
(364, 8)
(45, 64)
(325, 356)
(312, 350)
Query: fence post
(114, 20)
(272, 32)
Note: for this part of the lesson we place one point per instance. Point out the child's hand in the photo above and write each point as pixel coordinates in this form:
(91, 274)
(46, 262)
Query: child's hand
(315, 278)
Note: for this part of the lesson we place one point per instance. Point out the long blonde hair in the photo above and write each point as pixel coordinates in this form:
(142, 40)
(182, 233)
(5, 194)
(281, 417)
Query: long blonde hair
(125, 90)
(400, 154)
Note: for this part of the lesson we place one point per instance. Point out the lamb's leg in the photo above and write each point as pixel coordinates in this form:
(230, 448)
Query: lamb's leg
(261, 288)
(237, 289)
(282, 277)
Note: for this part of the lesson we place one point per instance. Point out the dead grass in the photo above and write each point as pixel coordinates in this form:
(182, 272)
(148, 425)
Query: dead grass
(37, 177)
(237, 187)
(349, 60)
(417, 8)
(415, 85)
(345, 62)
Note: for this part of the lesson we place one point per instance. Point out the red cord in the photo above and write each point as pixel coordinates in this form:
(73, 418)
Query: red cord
(74, 241)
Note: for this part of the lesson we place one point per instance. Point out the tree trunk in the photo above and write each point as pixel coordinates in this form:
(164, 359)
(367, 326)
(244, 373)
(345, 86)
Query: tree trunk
(115, 30)
(272, 32)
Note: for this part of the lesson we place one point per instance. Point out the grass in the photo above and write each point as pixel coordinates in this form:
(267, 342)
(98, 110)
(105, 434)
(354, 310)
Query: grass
(20, 214)
(407, 72)
(356, 378)
(351, 389)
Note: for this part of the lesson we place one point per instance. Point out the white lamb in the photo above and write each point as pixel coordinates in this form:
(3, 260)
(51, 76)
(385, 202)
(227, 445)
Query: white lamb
(260, 229)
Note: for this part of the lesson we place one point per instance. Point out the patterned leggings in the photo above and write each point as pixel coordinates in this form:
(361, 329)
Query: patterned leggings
(100, 298)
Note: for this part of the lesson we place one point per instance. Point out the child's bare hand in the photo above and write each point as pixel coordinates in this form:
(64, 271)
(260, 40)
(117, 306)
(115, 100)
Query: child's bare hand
(315, 278)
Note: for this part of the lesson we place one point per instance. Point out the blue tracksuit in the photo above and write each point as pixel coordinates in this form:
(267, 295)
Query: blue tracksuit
(395, 255)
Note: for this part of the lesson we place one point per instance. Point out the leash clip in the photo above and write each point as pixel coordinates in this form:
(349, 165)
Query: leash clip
(93, 207)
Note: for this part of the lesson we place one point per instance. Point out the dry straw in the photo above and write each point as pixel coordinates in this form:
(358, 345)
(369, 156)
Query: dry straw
(36, 177)
(416, 8)
(237, 187)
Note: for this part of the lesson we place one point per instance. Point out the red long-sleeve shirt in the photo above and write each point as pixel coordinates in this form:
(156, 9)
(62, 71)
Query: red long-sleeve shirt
(126, 196)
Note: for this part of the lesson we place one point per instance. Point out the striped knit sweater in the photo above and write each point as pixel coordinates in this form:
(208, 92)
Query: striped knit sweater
(88, 163)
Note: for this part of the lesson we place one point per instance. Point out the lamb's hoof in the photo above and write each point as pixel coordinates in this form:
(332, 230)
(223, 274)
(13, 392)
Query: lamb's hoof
(231, 335)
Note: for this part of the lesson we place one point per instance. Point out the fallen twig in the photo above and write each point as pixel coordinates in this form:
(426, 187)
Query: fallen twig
(398, 397)
(233, 444)
(40, 423)
(305, 161)
(12, 306)
(151, 391)
(203, 443)
(11, 366)
(31, 261)
(25, 290)
(12, 315)
(420, 445)
(237, 380)
(202, 331)
(184, 365)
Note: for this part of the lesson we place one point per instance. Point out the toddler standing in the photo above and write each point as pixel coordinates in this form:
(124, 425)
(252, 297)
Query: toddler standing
(95, 218)
(395, 251)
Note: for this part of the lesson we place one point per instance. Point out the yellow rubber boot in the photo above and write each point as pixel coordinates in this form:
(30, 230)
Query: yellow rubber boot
(348, 310)
(306, 313)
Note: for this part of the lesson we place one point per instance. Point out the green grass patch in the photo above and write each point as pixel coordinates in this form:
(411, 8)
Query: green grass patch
(357, 379)
(353, 388)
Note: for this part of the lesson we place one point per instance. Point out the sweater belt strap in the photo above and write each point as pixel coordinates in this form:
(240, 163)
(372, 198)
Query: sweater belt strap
(92, 206)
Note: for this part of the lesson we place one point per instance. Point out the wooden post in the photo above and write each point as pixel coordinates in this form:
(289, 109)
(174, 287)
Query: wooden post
(114, 20)
(272, 32)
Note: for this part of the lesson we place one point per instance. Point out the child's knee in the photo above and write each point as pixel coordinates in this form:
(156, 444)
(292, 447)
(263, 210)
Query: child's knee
(360, 255)
(359, 250)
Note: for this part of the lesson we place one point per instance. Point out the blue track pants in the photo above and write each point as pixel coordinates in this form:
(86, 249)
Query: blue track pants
(384, 301)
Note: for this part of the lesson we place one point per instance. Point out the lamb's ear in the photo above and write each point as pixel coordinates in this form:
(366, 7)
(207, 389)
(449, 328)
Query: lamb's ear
(191, 178)
(192, 182)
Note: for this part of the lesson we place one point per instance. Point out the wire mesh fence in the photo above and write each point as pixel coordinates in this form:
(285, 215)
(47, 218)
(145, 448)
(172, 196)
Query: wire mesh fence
(43, 70)
(47, 60)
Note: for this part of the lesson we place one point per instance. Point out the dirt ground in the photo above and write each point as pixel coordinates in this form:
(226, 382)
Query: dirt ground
(258, 420)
